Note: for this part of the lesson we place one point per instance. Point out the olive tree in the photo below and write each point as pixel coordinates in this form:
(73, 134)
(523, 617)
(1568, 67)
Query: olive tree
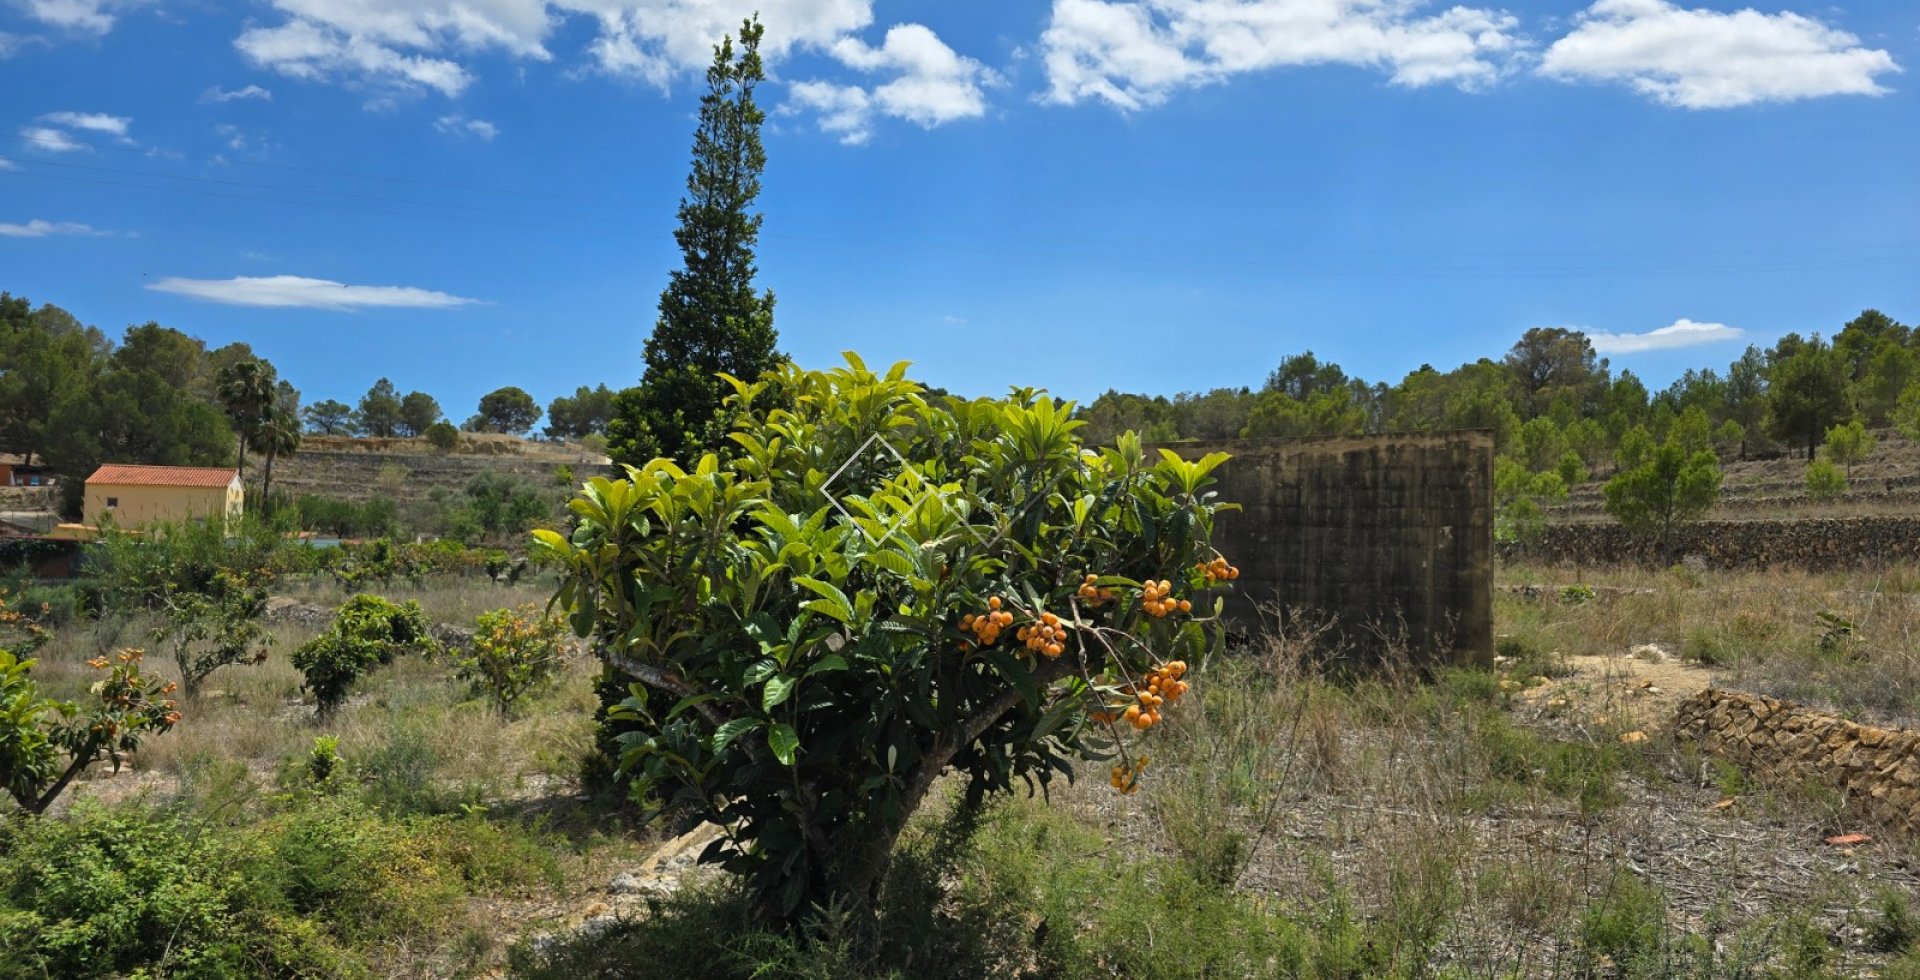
(874, 590)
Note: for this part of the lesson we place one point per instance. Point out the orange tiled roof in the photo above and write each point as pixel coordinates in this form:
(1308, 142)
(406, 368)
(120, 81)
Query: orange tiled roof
(127, 475)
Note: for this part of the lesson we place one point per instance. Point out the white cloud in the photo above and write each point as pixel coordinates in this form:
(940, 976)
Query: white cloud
(845, 110)
(1704, 59)
(54, 140)
(462, 126)
(41, 229)
(217, 94)
(656, 40)
(95, 122)
(1682, 333)
(83, 16)
(11, 44)
(300, 291)
(931, 85)
(1134, 53)
(6, 164)
(303, 50)
(398, 46)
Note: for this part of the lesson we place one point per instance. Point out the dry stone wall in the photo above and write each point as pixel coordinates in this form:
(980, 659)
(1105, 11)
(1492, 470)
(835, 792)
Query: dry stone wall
(1878, 769)
(1390, 536)
(1815, 544)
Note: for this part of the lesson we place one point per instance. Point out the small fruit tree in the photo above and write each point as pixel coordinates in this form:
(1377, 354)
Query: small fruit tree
(45, 743)
(875, 590)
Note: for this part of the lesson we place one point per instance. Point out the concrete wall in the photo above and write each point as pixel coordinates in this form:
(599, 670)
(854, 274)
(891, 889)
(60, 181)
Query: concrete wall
(1878, 769)
(1815, 543)
(139, 506)
(1387, 534)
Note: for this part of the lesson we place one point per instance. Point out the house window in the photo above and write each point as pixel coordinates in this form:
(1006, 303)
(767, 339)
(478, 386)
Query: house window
(113, 502)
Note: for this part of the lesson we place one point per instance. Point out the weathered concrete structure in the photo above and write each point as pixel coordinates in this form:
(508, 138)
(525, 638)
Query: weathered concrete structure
(1390, 536)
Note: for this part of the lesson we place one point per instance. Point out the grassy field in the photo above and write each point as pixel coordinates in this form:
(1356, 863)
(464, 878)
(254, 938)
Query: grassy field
(1535, 820)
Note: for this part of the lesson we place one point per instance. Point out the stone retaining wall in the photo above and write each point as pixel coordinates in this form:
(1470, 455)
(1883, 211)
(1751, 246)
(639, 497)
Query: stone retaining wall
(1878, 769)
(1810, 543)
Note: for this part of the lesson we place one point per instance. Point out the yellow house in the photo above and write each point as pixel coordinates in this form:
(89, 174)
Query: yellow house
(137, 496)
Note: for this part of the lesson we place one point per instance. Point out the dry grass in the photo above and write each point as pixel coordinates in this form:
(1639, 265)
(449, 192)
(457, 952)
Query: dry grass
(1445, 828)
(1763, 631)
(1380, 827)
(412, 718)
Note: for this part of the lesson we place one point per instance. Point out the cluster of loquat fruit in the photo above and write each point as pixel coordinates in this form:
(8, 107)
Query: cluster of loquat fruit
(986, 627)
(1163, 685)
(1047, 636)
(1157, 599)
(1093, 593)
(1218, 570)
(1126, 776)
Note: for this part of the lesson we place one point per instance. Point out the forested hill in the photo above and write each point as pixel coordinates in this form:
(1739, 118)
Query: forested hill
(1551, 394)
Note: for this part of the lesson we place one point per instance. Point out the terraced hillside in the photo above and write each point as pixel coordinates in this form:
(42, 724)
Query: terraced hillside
(363, 469)
(1888, 482)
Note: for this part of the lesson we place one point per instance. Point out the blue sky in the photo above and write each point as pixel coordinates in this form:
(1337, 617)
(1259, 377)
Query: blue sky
(1150, 195)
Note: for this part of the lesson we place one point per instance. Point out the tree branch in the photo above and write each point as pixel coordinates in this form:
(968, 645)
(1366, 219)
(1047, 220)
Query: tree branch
(663, 679)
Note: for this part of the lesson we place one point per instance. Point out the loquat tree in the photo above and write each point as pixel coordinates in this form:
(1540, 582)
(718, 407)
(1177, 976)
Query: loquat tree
(875, 590)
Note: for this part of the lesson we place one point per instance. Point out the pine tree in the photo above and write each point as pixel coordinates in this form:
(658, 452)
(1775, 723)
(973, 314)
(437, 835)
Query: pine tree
(712, 320)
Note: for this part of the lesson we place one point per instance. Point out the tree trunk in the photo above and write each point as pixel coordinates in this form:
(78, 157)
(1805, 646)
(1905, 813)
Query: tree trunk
(266, 486)
(864, 867)
(241, 463)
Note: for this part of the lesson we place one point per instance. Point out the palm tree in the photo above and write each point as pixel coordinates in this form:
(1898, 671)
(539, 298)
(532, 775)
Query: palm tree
(278, 434)
(246, 388)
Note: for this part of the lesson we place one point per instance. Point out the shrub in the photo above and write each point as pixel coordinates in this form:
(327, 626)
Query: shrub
(1577, 595)
(312, 890)
(1825, 481)
(367, 631)
(214, 628)
(512, 653)
(443, 436)
(36, 732)
(19, 632)
(812, 654)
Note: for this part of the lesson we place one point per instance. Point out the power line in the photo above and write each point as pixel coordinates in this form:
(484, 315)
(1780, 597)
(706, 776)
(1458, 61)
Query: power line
(489, 209)
(202, 192)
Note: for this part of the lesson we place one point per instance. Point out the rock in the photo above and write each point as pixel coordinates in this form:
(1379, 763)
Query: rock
(1652, 653)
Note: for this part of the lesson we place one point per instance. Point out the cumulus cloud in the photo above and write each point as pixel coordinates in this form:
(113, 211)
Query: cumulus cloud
(95, 122)
(1682, 333)
(1134, 53)
(304, 50)
(37, 228)
(218, 94)
(12, 44)
(81, 16)
(417, 43)
(931, 85)
(399, 46)
(462, 126)
(1705, 59)
(657, 40)
(52, 140)
(300, 291)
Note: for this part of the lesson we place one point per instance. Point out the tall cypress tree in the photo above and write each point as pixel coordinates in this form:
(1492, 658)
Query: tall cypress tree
(712, 319)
